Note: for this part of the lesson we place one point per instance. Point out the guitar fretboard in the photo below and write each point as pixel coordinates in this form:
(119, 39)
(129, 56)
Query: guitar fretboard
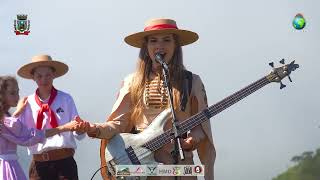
(204, 115)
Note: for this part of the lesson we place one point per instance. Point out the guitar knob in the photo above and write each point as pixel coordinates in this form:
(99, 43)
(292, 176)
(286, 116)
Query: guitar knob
(282, 61)
(282, 85)
(271, 64)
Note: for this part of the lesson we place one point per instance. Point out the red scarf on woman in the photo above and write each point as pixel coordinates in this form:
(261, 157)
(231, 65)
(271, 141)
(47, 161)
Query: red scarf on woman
(44, 107)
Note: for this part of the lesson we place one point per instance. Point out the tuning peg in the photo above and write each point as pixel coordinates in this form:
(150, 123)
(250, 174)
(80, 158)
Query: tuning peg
(295, 67)
(271, 64)
(282, 61)
(282, 85)
(289, 78)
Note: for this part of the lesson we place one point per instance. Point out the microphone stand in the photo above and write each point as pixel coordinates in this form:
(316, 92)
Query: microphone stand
(175, 127)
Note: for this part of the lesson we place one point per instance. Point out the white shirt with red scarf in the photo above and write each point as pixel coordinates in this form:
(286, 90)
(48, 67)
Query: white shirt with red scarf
(65, 110)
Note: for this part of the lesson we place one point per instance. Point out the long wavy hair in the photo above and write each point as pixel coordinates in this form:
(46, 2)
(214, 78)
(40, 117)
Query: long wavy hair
(3, 87)
(143, 71)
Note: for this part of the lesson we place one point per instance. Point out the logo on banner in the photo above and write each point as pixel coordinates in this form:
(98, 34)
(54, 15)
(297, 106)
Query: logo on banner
(177, 171)
(165, 171)
(123, 171)
(198, 169)
(22, 25)
(187, 170)
(139, 171)
(152, 170)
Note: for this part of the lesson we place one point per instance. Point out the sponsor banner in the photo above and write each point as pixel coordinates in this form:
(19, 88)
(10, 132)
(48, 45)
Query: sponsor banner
(160, 170)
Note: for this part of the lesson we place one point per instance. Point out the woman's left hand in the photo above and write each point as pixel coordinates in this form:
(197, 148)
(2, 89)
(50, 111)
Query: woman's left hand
(190, 143)
(193, 139)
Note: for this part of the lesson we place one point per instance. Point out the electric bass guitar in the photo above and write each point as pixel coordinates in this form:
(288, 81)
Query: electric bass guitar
(130, 149)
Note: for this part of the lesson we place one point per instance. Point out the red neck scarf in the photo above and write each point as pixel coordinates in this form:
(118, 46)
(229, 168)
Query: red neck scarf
(46, 107)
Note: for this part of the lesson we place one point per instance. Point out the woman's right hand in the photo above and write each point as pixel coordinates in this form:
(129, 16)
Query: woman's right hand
(84, 126)
(92, 130)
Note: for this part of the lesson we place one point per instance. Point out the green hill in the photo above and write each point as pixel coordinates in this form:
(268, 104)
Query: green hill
(307, 167)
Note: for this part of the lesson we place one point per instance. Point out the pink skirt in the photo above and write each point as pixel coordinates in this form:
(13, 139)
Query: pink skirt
(11, 170)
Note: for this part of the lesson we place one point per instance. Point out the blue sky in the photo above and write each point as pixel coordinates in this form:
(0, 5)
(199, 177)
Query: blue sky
(255, 139)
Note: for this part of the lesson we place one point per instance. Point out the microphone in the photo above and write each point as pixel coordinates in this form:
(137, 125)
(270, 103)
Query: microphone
(159, 59)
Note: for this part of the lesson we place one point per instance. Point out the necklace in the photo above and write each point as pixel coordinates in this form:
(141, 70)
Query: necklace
(155, 94)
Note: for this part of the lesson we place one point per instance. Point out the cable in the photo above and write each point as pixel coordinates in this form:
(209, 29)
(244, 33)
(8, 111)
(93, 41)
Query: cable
(97, 171)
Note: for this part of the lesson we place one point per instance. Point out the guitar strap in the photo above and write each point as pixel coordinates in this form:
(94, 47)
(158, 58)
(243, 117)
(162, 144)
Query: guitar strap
(186, 90)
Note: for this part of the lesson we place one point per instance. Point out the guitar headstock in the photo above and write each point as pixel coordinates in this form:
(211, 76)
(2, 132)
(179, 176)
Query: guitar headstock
(277, 74)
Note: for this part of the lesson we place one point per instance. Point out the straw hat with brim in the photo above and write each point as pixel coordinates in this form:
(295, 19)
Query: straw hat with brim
(42, 60)
(163, 26)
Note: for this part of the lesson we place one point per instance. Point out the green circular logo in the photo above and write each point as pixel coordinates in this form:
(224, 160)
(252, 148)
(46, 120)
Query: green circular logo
(299, 22)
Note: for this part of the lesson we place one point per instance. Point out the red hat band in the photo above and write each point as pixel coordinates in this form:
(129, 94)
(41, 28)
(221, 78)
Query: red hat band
(160, 27)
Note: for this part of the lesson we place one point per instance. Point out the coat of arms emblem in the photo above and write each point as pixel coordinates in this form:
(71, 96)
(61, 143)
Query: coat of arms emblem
(22, 25)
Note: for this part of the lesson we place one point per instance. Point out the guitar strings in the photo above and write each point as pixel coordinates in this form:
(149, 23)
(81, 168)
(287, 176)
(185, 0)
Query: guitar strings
(217, 108)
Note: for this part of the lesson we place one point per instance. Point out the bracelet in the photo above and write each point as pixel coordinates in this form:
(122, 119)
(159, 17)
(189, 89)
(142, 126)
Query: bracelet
(94, 134)
(97, 131)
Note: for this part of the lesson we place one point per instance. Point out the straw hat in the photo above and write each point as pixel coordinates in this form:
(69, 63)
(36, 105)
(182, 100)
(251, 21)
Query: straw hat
(42, 60)
(155, 26)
